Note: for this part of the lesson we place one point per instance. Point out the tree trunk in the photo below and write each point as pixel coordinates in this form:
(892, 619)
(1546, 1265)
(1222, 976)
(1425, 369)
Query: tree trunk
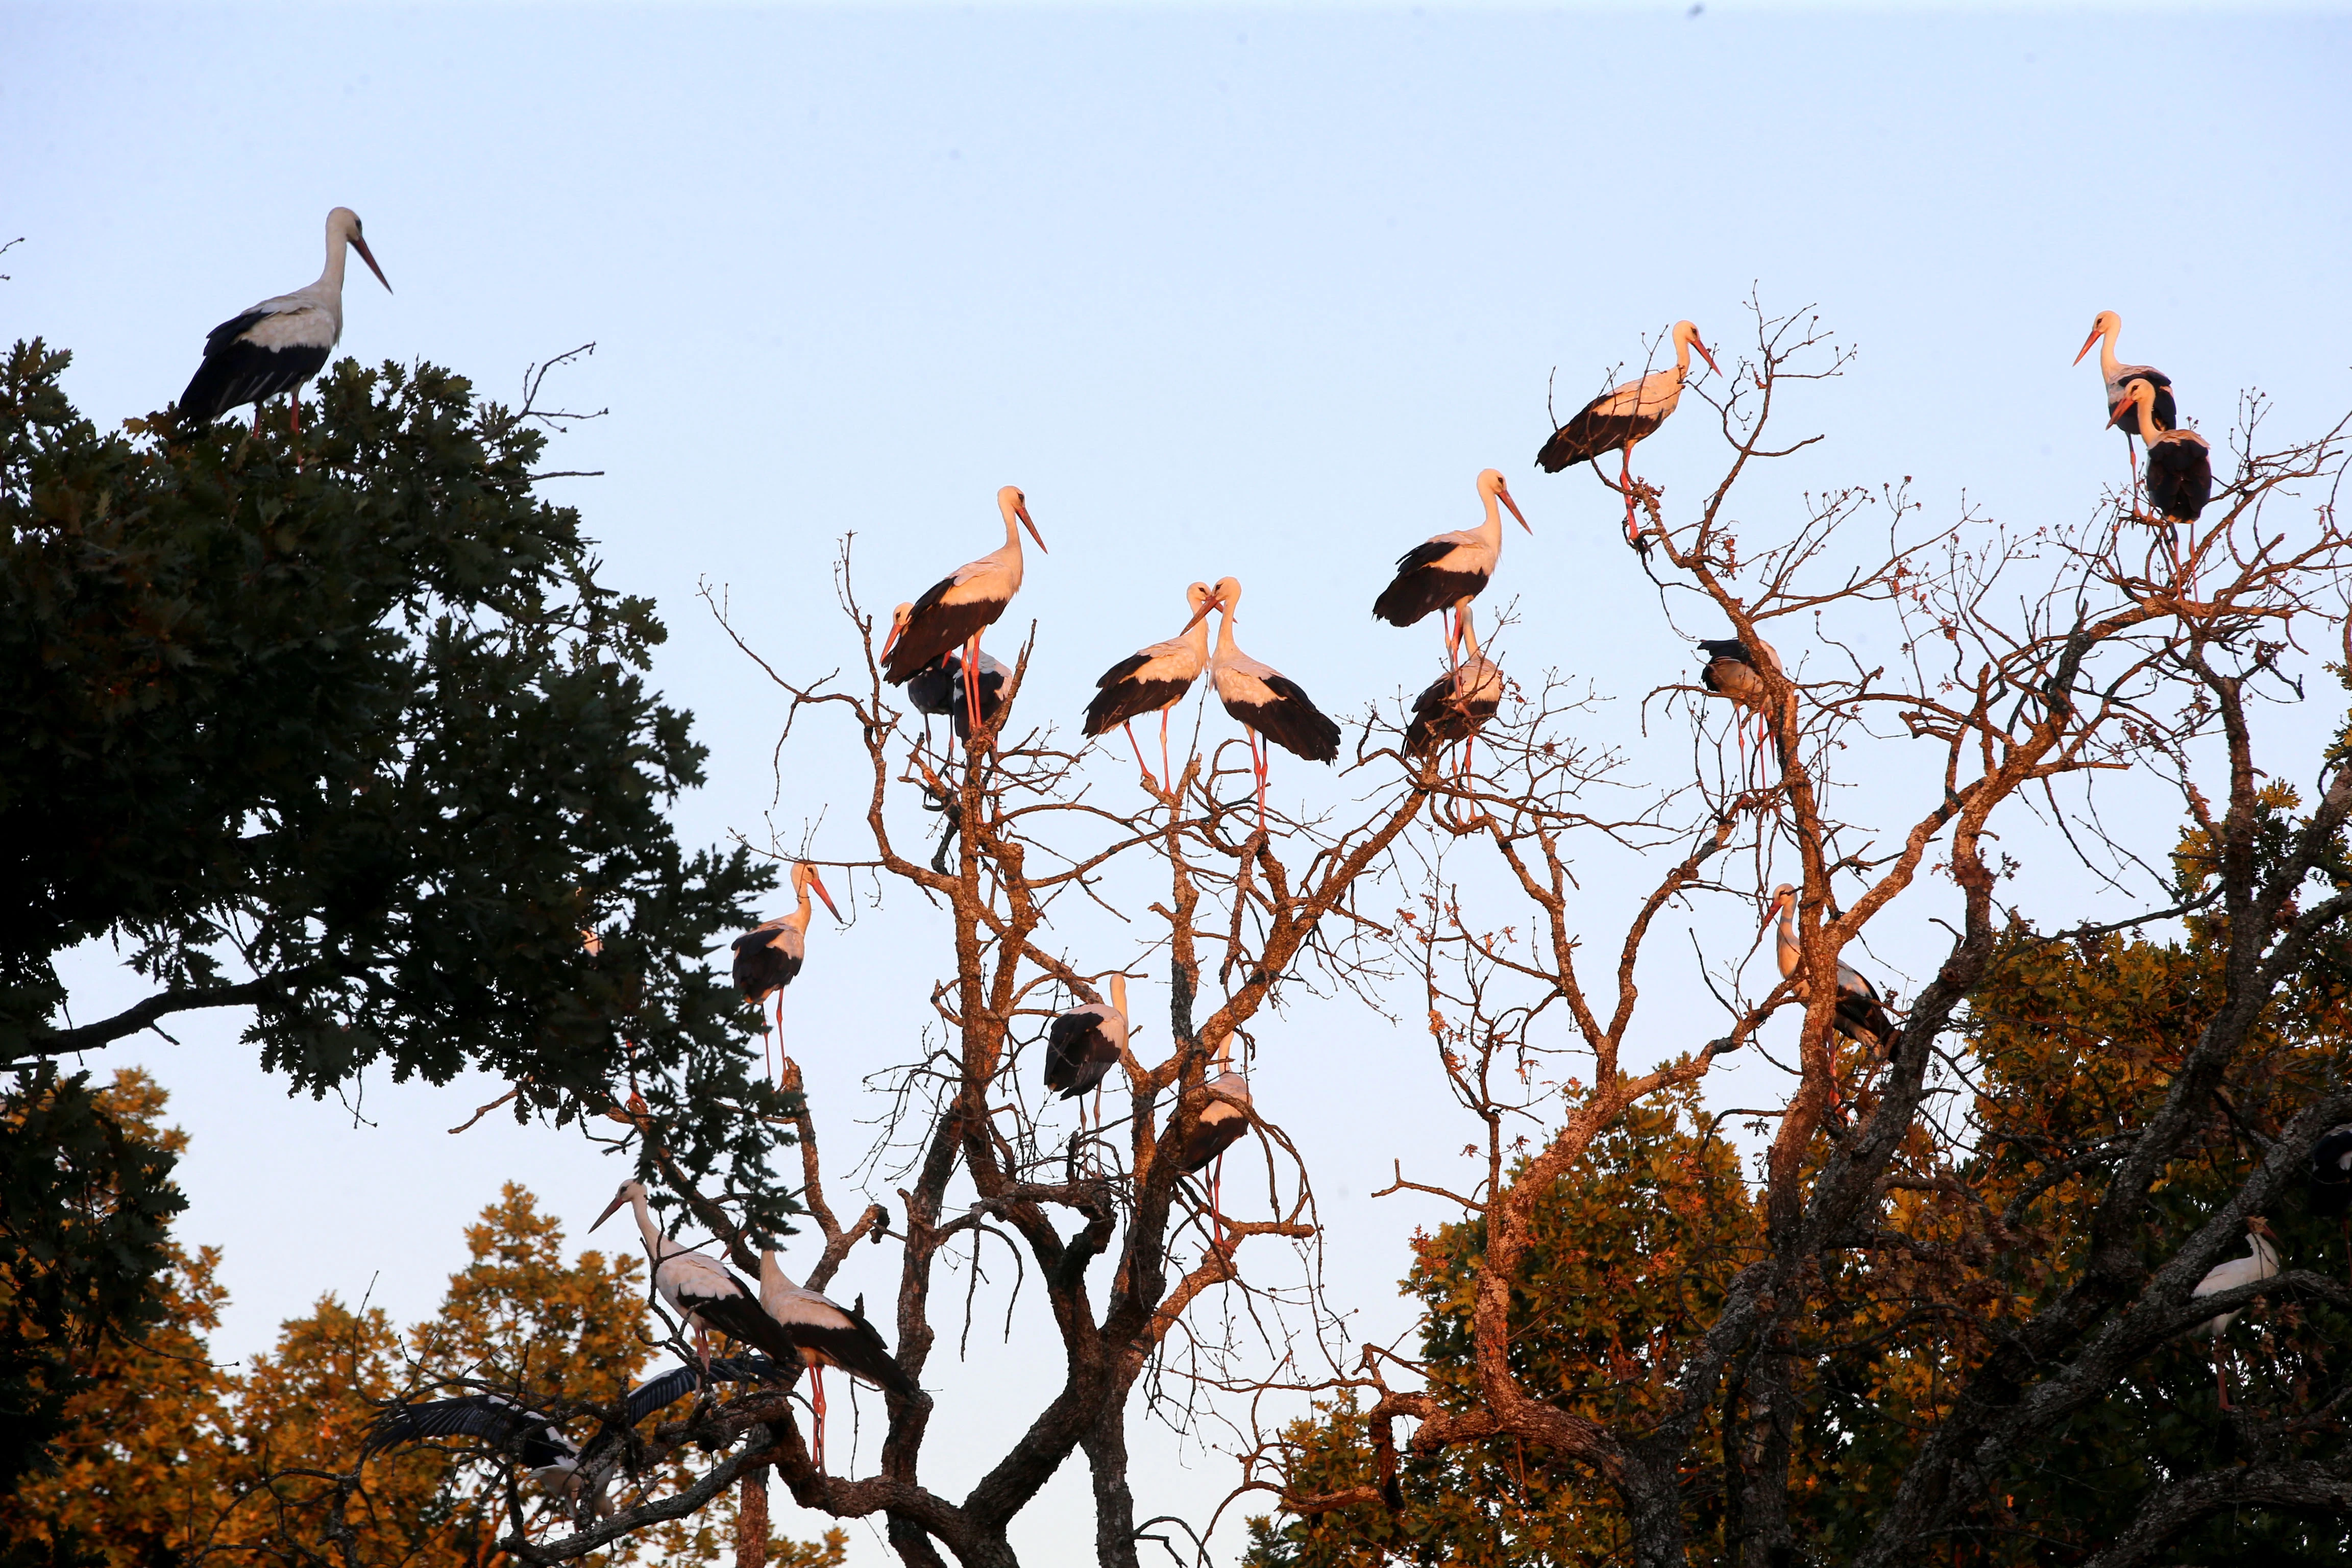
(1105, 1450)
(751, 1519)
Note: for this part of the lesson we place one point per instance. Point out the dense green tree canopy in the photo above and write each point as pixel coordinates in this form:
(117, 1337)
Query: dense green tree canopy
(340, 727)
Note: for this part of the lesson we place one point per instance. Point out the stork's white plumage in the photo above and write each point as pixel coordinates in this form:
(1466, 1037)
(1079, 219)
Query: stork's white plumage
(274, 347)
(2260, 1262)
(1449, 570)
(703, 1291)
(1860, 1017)
(955, 610)
(2105, 327)
(826, 1333)
(1618, 419)
(1269, 704)
(770, 954)
(1154, 679)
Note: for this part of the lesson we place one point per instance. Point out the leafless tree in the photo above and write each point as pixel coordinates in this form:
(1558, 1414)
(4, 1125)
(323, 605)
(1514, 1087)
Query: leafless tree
(2032, 662)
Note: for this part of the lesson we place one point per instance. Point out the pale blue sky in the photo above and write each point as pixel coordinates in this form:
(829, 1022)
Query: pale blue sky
(1225, 290)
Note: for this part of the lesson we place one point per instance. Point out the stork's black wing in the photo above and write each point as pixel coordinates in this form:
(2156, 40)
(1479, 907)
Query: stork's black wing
(493, 1417)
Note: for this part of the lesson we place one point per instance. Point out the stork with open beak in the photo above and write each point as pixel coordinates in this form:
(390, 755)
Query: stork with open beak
(1449, 570)
(1622, 417)
(704, 1292)
(1154, 679)
(281, 342)
(954, 611)
(768, 955)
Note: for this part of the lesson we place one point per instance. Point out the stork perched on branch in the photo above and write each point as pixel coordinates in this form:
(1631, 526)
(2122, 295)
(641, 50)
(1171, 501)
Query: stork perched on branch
(1085, 1043)
(937, 689)
(274, 347)
(770, 954)
(825, 1333)
(954, 611)
(1446, 572)
(1734, 669)
(2105, 327)
(1154, 679)
(1457, 702)
(1269, 704)
(703, 1292)
(1619, 418)
(2260, 1262)
(1860, 1017)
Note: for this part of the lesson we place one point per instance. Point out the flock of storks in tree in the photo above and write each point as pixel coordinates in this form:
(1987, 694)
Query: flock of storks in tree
(933, 651)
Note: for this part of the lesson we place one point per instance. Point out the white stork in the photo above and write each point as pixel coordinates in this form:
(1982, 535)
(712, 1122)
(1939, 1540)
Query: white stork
(1459, 702)
(2180, 462)
(826, 1333)
(2260, 1262)
(935, 690)
(1085, 1043)
(1221, 1121)
(1860, 1017)
(281, 343)
(1449, 570)
(1731, 671)
(1269, 704)
(703, 1292)
(1154, 679)
(2105, 327)
(956, 609)
(768, 955)
(1622, 417)
(555, 1464)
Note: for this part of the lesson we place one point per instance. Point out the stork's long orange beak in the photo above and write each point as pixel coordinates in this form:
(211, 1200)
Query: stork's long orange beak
(1022, 511)
(368, 257)
(1503, 494)
(2087, 342)
(611, 1209)
(1702, 355)
(896, 627)
(818, 883)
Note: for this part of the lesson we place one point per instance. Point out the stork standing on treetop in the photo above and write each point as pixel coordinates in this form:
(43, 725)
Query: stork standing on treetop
(1449, 570)
(2105, 327)
(281, 343)
(2260, 1262)
(1618, 419)
(1154, 679)
(769, 954)
(956, 609)
(827, 1333)
(1458, 701)
(1269, 704)
(701, 1290)
(937, 689)
(2180, 462)
(1085, 1043)
(1860, 1015)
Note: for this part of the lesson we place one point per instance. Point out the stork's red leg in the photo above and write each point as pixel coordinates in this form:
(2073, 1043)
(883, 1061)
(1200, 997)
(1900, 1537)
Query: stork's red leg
(971, 684)
(1632, 533)
(1257, 767)
(1142, 766)
(294, 413)
(1167, 775)
(2221, 1376)
(256, 416)
(816, 1378)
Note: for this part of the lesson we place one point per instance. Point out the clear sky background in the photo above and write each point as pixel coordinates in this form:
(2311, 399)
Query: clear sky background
(1246, 291)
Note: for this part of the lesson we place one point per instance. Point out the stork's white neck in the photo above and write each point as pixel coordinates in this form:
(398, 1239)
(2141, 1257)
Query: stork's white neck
(1119, 993)
(2108, 363)
(646, 1227)
(330, 279)
(1012, 526)
(799, 918)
